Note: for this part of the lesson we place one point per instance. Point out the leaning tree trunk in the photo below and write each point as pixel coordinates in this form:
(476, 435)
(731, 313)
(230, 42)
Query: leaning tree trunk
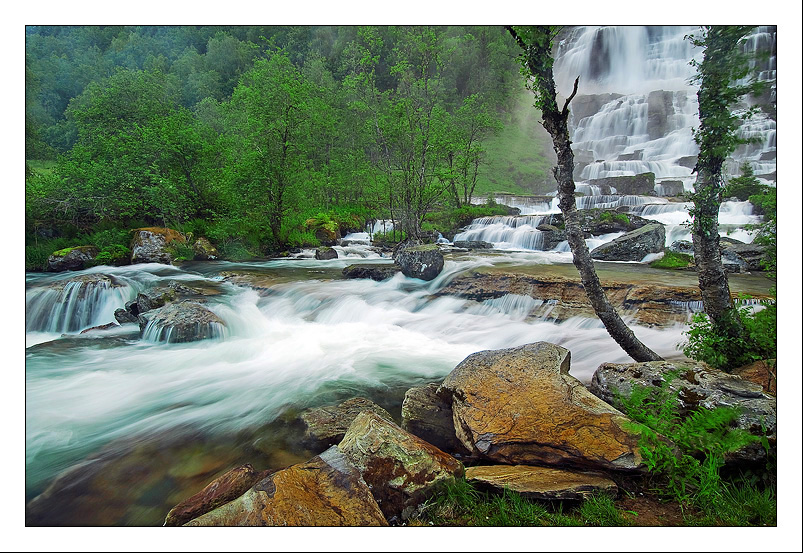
(556, 123)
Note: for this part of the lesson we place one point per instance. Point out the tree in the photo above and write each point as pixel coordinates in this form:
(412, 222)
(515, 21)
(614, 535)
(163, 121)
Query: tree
(537, 64)
(721, 75)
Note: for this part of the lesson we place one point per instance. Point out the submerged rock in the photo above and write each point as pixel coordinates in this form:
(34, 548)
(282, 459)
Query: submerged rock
(184, 321)
(634, 245)
(521, 406)
(696, 385)
(220, 491)
(540, 482)
(327, 490)
(326, 426)
(374, 271)
(72, 259)
(401, 469)
(424, 262)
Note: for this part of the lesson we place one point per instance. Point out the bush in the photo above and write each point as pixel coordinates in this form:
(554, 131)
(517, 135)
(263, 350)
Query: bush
(673, 260)
(757, 342)
(744, 186)
(622, 218)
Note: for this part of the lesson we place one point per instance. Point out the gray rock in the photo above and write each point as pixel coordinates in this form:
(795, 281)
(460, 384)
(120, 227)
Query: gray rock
(75, 259)
(325, 252)
(149, 245)
(697, 385)
(473, 244)
(326, 426)
(429, 416)
(184, 321)
(374, 271)
(424, 262)
(670, 188)
(641, 184)
(634, 245)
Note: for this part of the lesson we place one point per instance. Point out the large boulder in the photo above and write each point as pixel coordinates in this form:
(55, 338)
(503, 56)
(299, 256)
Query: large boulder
(220, 491)
(401, 469)
(429, 416)
(424, 261)
(540, 482)
(634, 245)
(150, 244)
(521, 406)
(671, 188)
(642, 184)
(184, 321)
(473, 244)
(374, 271)
(325, 252)
(326, 426)
(763, 373)
(695, 385)
(327, 490)
(72, 259)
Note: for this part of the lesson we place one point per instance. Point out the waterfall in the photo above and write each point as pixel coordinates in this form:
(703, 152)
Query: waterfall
(636, 104)
(75, 304)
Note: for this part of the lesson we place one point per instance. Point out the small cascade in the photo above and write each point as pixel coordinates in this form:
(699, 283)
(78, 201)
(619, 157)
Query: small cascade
(611, 201)
(158, 331)
(530, 205)
(507, 231)
(76, 304)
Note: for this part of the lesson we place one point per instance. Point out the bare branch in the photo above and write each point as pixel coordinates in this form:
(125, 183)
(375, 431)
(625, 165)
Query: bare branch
(569, 99)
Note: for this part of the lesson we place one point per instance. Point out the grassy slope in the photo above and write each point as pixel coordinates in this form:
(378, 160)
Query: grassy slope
(519, 159)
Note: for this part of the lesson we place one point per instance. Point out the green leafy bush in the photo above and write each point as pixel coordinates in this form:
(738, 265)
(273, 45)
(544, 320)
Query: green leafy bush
(744, 186)
(113, 255)
(673, 260)
(758, 341)
(622, 218)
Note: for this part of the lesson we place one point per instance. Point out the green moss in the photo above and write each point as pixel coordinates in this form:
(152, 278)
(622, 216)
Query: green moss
(672, 260)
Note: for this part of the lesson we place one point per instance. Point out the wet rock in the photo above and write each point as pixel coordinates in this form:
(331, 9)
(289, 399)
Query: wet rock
(150, 245)
(326, 426)
(327, 490)
(107, 326)
(642, 184)
(670, 188)
(540, 482)
(223, 489)
(204, 250)
(184, 321)
(424, 262)
(72, 259)
(634, 245)
(428, 416)
(521, 406)
(697, 385)
(325, 252)
(400, 469)
(374, 271)
(682, 246)
(154, 299)
(473, 244)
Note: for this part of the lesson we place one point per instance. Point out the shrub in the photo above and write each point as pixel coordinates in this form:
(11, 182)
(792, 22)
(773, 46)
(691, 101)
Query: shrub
(673, 260)
(758, 341)
(621, 218)
(744, 186)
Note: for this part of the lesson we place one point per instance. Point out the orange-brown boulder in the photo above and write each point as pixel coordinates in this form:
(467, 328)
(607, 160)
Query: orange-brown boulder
(521, 406)
(540, 482)
(327, 490)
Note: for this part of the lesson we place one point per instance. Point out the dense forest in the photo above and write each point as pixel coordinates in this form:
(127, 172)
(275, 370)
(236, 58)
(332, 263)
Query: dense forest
(257, 137)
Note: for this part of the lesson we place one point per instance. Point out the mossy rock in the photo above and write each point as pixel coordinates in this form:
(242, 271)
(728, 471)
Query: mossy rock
(72, 259)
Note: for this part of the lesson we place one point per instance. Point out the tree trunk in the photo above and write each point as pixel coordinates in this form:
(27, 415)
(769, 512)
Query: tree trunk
(556, 123)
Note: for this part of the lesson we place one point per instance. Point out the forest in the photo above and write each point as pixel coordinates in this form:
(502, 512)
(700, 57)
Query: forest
(257, 136)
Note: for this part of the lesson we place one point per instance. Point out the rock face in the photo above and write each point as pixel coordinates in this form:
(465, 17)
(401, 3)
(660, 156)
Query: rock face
(540, 482)
(762, 373)
(327, 490)
(697, 385)
(204, 250)
(634, 245)
(374, 271)
(401, 469)
(325, 252)
(149, 245)
(326, 426)
(670, 188)
(424, 262)
(473, 244)
(521, 406)
(72, 259)
(428, 416)
(184, 321)
(642, 184)
(220, 491)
